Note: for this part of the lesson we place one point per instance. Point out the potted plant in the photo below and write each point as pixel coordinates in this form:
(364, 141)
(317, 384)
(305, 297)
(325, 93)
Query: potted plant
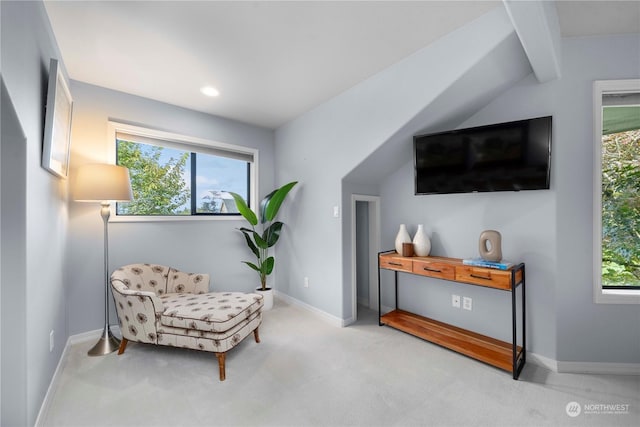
(263, 234)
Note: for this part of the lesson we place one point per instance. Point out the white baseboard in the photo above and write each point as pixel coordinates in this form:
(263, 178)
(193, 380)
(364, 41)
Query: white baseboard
(46, 402)
(563, 367)
(335, 321)
(347, 322)
(599, 368)
(542, 361)
(74, 339)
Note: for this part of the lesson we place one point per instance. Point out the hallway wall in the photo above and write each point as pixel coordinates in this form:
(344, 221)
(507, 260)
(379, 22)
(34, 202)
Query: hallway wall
(42, 241)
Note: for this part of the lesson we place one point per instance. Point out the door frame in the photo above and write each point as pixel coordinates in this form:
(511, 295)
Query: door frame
(374, 247)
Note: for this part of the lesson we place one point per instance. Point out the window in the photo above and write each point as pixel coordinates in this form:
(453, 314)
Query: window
(178, 177)
(617, 191)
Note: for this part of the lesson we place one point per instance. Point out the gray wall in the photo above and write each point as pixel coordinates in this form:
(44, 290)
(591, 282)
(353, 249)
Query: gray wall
(13, 251)
(585, 332)
(550, 230)
(498, 70)
(41, 234)
(321, 147)
(206, 246)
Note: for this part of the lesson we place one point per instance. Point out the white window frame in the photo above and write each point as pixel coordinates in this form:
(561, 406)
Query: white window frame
(600, 295)
(188, 141)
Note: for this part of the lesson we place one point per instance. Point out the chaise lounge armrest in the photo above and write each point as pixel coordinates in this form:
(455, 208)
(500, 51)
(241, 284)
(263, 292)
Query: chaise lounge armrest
(127, 297)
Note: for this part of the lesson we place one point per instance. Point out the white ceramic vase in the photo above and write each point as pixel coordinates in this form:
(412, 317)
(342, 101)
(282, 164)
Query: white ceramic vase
(421, 242)
(402, 237)
(267, 298)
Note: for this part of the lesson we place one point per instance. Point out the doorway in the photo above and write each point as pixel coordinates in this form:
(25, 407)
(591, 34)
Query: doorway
(365, 245)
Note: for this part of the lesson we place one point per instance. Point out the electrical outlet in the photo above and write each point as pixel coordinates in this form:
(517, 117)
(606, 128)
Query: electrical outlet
(455, 301)
(51, 341)
(306, 282)
(467, 303)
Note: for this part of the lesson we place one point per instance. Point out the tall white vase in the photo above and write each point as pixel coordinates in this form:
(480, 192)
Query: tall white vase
(421, 242)
(402, 237)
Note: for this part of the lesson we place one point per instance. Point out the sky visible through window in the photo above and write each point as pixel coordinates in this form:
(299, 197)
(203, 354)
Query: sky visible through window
(213, 174)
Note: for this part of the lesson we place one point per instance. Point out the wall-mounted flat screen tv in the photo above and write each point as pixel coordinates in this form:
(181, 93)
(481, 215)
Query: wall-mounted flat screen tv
(509, 156)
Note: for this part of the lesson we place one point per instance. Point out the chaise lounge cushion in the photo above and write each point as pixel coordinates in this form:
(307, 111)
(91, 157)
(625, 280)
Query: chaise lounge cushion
(211, 312)
(209, 341)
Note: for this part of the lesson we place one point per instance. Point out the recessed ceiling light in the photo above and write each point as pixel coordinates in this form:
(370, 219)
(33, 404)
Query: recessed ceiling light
(210, 91)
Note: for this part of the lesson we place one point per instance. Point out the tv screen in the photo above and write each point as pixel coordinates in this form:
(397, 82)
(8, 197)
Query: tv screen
(510, 156)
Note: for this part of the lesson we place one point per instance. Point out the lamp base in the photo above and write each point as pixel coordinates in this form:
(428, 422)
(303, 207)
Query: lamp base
(107, 344)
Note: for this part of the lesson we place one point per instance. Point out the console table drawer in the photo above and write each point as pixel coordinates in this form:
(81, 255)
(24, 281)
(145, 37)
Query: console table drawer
(484, 277)
(397, 263)
(436, 269)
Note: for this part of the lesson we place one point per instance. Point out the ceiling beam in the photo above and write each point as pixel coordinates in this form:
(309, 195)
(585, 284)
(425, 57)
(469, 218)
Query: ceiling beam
(536, 23)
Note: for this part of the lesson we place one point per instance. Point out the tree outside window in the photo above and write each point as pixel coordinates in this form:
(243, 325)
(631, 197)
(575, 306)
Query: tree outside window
(157, 179)
(621, 201)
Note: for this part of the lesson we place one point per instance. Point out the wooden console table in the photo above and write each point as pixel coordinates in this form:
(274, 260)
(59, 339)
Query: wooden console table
(507, 356)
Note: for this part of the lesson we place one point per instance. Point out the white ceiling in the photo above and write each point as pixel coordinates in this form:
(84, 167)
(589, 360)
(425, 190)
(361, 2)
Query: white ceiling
(271, 61)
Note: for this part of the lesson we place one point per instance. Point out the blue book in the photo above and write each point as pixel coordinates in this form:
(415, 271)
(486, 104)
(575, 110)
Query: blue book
(479, 262)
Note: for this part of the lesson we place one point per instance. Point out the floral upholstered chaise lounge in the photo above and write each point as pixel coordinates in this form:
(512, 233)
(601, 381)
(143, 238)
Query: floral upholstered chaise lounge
(161, 305)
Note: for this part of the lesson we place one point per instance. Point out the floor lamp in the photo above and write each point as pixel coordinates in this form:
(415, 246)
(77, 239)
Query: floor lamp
(103, 183)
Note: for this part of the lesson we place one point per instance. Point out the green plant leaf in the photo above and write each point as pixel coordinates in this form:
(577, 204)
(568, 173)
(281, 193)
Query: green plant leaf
(263, 206)
(272, 233)
(271, 204)
(267, 265)
(247, 235)
(252, 265)
(244, 210)
(259, 241)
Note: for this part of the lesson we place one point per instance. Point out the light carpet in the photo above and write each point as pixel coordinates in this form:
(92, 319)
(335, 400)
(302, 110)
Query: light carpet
(306, 372)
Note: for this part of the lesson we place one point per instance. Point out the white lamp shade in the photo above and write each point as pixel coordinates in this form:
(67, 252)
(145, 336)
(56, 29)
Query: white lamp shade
(102, 182)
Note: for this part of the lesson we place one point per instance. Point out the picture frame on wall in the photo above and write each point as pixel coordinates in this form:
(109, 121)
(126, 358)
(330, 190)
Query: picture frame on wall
(57, 124)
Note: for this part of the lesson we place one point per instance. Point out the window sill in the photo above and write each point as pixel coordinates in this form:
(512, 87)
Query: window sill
(142, 218)
(617, 296)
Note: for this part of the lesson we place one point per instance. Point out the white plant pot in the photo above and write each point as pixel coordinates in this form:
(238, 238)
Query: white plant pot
(267, 298)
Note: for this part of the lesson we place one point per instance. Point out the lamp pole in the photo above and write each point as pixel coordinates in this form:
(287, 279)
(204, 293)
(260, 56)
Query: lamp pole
(107, 343)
